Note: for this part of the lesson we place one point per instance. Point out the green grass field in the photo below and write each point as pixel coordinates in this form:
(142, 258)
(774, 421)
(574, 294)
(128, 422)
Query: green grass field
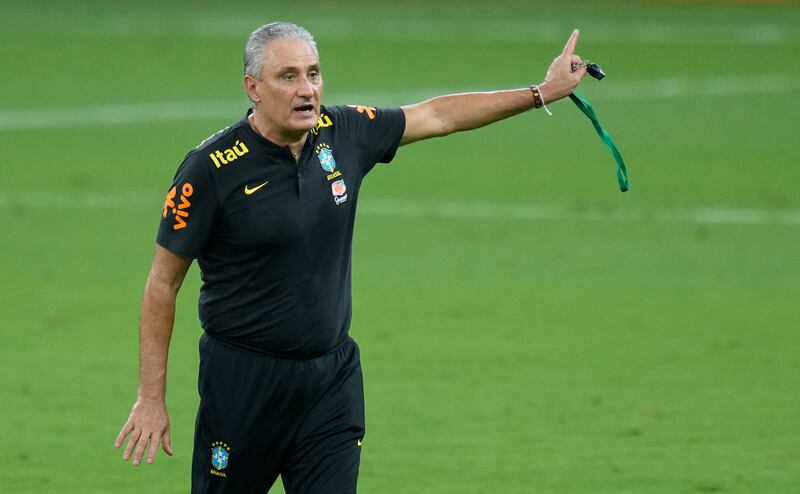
(524, 326)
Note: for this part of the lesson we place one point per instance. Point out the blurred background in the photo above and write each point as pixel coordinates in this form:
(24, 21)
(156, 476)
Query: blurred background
(524, 326)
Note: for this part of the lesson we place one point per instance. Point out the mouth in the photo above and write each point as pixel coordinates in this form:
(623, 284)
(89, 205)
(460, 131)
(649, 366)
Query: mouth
(305, 109)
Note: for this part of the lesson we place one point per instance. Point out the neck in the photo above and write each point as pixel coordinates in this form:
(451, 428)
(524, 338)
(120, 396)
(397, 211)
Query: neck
(293, 140)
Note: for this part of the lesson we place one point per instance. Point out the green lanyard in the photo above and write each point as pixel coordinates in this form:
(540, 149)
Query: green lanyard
(586, 108)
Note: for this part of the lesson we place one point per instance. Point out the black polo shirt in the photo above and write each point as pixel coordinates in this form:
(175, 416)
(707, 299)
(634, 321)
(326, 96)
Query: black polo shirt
(273, 237)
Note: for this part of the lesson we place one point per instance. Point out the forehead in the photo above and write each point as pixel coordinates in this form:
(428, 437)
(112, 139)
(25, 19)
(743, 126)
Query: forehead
(290, 53)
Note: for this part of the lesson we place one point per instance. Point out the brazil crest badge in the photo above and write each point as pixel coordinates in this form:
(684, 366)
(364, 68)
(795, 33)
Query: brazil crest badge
(325, 156)
(220, 452)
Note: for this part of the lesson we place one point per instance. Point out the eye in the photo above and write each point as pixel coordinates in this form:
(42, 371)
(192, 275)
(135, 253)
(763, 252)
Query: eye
(288, 76)
(314, 76)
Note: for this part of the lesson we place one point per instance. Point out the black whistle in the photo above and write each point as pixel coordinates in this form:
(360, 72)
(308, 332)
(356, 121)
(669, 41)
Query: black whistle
(593, 69)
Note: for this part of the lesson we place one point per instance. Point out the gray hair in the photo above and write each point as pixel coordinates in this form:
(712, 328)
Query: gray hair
(257, 43)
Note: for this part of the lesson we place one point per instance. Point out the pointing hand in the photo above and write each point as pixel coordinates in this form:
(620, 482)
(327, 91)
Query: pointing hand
(560, 80)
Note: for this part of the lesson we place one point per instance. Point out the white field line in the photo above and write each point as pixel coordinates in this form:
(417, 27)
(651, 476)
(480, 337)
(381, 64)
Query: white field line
(428, 209)
(421, 29)
(525, 31)
(229, 110)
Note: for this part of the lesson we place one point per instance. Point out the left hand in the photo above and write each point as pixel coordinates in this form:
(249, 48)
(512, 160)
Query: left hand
(561, 80)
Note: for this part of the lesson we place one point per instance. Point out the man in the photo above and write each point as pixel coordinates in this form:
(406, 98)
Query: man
(267, 207)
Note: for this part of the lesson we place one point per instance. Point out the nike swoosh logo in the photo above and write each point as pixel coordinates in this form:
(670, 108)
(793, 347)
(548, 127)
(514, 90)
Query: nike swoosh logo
(359, 442)
(248, 190)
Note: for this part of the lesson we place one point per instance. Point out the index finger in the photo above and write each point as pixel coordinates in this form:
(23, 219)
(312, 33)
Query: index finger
(569, 48)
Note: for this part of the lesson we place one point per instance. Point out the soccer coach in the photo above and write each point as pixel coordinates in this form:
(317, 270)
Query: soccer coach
(267, 207)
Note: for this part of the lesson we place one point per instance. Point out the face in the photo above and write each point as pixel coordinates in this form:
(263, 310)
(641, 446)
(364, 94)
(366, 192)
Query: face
(289, 92)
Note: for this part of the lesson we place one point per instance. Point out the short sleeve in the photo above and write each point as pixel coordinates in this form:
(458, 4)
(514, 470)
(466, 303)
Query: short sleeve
(189, 208)
(377, 132)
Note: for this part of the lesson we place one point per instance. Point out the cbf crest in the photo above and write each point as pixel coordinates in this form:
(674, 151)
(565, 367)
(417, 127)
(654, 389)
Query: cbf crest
(325, 156)
(220, 453)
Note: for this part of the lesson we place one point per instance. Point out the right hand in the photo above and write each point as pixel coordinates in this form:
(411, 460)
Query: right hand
(147, 423)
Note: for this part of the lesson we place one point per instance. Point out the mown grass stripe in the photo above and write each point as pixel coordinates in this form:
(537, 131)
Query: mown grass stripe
(439, 209)
(179, 111)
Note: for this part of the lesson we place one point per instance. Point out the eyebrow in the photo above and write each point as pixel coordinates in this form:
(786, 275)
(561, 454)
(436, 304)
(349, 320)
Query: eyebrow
(284, 68)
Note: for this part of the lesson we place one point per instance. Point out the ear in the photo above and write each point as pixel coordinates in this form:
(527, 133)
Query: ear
(250, 85)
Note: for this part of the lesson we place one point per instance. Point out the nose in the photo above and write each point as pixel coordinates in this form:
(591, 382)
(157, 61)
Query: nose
(305, 88)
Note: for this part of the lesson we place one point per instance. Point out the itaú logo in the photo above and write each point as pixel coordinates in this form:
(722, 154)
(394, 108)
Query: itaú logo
(227, 156)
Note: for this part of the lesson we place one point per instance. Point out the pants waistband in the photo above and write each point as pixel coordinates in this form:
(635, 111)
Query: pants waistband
(239, 347)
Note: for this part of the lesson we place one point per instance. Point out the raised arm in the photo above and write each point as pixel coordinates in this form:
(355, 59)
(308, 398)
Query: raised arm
(444, 115)
(149, 420)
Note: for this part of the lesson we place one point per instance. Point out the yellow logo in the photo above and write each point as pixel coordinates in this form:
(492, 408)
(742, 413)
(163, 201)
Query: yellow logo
(248, 190)
(228, 156)
(181, 210)
(322, 121)
(359, 442)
